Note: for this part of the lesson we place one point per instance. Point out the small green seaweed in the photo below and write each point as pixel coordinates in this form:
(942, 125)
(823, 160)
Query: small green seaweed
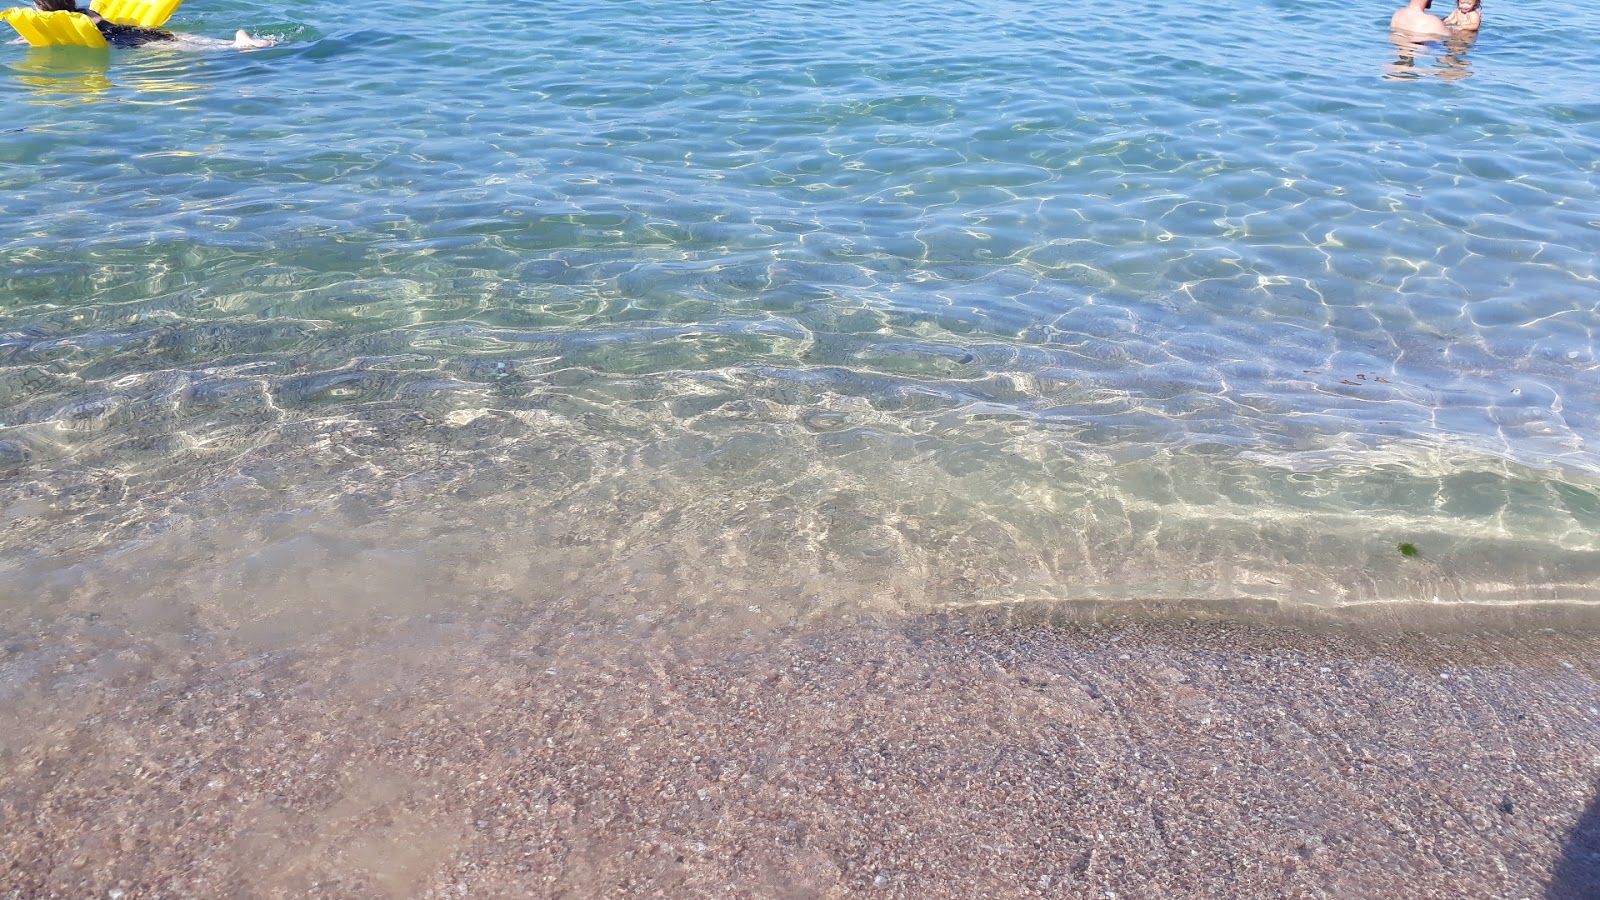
(1409, 550)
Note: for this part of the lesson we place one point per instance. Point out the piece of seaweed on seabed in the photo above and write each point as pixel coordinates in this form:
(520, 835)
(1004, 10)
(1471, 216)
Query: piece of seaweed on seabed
(1577, 875)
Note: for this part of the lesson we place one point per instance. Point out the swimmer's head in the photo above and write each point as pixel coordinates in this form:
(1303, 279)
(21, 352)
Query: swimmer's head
(1467, 6)
(56, 5)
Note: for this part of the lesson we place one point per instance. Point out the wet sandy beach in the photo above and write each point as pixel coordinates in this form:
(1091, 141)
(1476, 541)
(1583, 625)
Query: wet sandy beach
(979, 756)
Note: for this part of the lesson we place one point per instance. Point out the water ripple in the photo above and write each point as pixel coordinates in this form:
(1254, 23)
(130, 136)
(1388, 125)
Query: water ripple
(979, 289)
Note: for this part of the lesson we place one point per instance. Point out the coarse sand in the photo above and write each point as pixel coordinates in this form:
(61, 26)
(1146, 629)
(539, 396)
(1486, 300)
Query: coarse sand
(961, 757)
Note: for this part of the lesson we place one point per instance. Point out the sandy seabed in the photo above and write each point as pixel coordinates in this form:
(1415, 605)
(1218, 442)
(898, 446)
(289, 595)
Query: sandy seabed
(977, 756)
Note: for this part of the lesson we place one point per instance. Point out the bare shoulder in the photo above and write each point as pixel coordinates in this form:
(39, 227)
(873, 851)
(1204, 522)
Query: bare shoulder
(1415, 22)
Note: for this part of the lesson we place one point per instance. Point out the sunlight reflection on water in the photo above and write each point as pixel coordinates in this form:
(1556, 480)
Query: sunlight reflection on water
(965, 307)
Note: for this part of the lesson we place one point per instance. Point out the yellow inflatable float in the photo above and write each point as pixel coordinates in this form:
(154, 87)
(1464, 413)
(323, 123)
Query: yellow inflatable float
(48, 29)
(143, 13)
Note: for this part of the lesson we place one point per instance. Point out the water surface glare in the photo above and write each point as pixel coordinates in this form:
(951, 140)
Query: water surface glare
(815, 308)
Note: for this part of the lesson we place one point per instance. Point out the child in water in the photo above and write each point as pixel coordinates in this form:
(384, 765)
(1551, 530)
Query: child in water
(132, 35)
(1466, 17)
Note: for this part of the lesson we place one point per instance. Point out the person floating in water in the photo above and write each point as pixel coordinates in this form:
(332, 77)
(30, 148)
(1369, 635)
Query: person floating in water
(1414, 19)
(132, 35)
(1466, 17)
(1415, 32)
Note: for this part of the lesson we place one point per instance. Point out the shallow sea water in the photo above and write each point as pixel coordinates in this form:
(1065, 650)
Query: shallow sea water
(798, 310)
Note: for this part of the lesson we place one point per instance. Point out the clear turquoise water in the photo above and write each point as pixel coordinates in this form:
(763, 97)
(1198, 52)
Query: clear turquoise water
(804, 306)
